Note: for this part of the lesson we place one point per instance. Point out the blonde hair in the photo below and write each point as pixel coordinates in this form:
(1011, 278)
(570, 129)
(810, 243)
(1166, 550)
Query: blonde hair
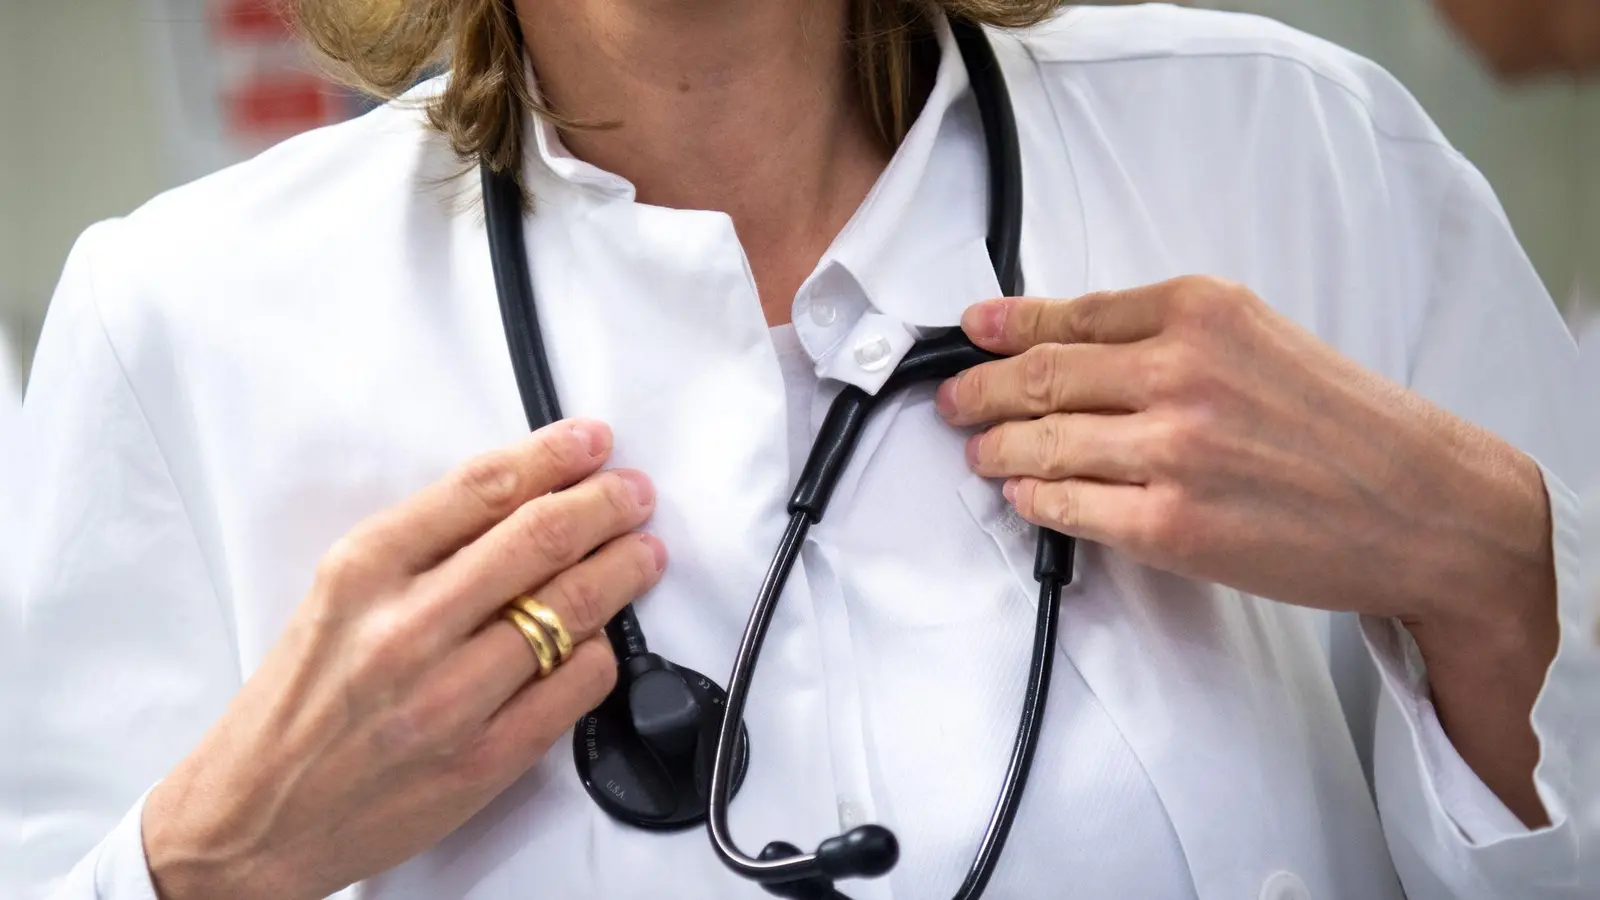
(383, 46)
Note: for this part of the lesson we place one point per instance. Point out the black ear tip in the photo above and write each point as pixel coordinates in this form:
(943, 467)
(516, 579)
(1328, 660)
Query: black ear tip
(778, 850)
(864, 851)
(876, 848)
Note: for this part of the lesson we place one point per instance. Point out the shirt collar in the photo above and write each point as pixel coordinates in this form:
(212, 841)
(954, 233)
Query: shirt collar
(915, 250)
(918, 239)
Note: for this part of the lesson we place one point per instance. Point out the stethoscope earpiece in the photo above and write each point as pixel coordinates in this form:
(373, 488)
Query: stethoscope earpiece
(865, 851)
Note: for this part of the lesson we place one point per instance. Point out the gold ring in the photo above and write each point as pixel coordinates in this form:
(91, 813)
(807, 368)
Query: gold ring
(543, 647)
(547, 617)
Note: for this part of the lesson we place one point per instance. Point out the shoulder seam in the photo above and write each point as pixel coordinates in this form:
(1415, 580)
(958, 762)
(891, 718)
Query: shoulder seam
(1266, 54)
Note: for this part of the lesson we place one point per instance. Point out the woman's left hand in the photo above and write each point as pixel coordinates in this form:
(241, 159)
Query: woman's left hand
(1195, 429)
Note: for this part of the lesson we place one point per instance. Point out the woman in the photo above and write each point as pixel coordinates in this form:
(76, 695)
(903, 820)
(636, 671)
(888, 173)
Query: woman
(282, 497)
(1530, 37)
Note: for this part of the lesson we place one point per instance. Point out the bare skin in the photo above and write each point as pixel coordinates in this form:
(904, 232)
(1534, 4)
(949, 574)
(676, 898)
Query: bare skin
(745, 108)
(389, 700)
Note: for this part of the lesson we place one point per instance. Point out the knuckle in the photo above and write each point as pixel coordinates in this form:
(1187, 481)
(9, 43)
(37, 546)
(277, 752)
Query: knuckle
(585, 602)
(1180, 371)
(618, 497)
(1193, 293)
(553, 533)
(560, 450)
(1207, 303)
(1165, 370)
(993, 447)
(1024, 502)
(409, 730)
(1040, 367)
(1090, 315)
(348, 567)
(1050, 445)
(1165, 532)
(596, 670)
(644, 565)
(399, 734)
(1054, 504)
(1024, 321)
(493, 482)
(972, 386)
(387, 647)
(1173, 443)
(1065, 508)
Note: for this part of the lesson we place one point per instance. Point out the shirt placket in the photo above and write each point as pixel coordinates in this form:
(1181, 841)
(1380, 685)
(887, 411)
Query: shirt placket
(827, 314)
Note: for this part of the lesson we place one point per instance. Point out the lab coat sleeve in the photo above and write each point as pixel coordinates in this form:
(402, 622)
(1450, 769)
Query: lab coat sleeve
(1490, 347)
(125, 653)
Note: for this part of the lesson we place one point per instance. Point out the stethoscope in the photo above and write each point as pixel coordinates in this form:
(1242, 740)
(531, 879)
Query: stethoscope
(668, 748)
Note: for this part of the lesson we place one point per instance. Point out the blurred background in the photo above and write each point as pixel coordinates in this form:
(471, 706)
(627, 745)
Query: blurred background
(105, 103)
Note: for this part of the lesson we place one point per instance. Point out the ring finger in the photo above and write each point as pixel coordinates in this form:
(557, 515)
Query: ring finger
(476, 678)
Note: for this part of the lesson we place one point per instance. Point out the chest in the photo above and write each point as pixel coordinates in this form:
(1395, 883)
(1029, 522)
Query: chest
(892, 677)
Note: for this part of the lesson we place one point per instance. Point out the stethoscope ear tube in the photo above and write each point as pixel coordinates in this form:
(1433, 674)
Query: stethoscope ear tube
(502, 210)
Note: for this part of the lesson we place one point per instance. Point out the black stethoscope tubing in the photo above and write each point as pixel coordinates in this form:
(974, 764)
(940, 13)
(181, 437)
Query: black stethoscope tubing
(870, 849)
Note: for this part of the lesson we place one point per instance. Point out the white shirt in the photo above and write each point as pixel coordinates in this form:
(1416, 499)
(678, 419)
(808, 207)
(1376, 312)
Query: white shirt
(235, 374)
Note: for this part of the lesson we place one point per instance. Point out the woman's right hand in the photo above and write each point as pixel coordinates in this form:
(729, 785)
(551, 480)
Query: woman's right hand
(398, 703)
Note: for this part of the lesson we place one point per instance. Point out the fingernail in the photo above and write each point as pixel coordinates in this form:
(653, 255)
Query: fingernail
(657, 549)
(944, 399)
(1009, 490)
(987, 320)
(639, 486)
(972, 450)
(594, 436)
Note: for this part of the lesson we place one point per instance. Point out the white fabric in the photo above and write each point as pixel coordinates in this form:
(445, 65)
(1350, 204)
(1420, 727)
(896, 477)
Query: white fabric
(235, 374)
(10, 378)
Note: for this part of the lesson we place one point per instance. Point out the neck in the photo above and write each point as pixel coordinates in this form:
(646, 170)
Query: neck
(746, 108)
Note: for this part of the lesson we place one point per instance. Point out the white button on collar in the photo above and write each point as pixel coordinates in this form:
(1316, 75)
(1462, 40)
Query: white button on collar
(867, 354)
(872, 352)
(1285, 886)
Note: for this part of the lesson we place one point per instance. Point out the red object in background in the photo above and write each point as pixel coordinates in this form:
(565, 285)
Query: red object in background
(278, 104)
(250, 20)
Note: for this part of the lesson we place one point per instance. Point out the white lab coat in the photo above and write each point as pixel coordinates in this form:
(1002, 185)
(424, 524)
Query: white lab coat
(235, 374)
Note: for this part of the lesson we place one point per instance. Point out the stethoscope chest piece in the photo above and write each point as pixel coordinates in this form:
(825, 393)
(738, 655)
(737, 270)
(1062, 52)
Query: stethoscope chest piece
(645, 754)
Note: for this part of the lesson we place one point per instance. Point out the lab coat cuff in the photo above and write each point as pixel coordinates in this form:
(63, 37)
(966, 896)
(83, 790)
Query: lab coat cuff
(116, 869)
(1478, 817)
(1476, 812)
